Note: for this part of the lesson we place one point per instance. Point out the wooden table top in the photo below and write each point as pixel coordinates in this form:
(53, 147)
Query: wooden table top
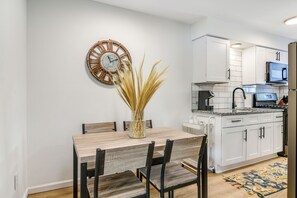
(86, 145)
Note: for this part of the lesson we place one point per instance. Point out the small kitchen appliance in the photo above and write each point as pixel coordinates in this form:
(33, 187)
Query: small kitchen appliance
(276, 73)
(203, 100)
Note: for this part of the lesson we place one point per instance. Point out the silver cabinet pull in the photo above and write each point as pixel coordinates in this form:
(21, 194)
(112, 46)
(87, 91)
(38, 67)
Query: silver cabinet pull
(278, 116)
(245, 135)
(235, 120)
(229, 74)
(260, 136)
(263, 132)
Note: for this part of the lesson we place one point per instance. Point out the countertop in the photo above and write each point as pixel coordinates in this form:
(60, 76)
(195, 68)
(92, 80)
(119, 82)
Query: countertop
(239, 111)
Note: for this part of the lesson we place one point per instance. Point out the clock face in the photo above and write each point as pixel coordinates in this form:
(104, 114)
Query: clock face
(105, 57)
(110, 61)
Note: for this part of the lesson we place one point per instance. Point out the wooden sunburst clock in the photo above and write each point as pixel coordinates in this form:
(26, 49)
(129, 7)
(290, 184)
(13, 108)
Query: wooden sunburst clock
(105, 57)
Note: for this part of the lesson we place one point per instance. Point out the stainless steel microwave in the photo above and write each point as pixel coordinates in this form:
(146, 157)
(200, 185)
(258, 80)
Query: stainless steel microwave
(276, 73)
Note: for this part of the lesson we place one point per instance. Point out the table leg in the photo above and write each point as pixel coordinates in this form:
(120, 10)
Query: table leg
(83, 181)
(204, 173)
(74, 173)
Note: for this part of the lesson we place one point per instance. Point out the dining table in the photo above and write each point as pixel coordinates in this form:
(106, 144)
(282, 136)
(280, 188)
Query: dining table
(85, 145)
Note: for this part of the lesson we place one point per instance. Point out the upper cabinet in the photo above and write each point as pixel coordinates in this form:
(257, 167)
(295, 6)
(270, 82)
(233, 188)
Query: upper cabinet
(254, 63)
(211, 60)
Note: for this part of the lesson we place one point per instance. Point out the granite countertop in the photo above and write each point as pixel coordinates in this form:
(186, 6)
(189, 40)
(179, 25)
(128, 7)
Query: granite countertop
(239, 111)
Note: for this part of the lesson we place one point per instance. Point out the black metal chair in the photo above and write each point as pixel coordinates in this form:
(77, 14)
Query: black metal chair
(170, 175)
(113, 178)
(88, 128)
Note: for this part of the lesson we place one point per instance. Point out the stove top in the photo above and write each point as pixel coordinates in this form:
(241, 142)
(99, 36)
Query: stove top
(272, 106)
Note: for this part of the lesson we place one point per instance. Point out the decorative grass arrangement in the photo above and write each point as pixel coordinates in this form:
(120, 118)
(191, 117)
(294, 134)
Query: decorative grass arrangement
(137, 92)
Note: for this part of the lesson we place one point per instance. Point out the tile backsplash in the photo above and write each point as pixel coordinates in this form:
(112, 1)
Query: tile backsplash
(223, 92)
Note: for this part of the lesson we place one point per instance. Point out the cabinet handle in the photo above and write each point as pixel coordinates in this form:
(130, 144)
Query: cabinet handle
(245, 135)
(229, 74)
(278, 116)
(260, 136)
(263, 132)
(278, 56)
(235, 120)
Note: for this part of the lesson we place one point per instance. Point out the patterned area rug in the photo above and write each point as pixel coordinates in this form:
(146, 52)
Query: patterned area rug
(263, 182)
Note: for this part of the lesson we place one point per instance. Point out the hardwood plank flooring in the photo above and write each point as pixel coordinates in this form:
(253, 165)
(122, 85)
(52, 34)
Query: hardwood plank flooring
(217, 187)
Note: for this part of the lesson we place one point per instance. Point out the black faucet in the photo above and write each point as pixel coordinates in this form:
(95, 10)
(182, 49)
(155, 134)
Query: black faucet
(233, 102)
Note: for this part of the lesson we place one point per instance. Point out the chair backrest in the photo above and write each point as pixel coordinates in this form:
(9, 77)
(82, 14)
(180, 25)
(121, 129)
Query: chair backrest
(177, 150)
(122, 159)
(148, 124)
(99, 127)
(186, 148)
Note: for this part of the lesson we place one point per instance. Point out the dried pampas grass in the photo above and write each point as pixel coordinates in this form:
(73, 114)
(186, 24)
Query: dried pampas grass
(135, 90)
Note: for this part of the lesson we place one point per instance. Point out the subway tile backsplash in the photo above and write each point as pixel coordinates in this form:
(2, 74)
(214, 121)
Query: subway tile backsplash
(223, 92)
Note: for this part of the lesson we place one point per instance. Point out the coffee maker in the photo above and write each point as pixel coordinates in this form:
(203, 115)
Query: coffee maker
(203, 100)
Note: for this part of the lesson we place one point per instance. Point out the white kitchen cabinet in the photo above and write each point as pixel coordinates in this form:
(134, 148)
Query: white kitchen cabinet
(233, 145)
(277, 56)
(267, 139)
(239, 140)
(254, 63)
(277, 137)
(211, 60)
(253, 145)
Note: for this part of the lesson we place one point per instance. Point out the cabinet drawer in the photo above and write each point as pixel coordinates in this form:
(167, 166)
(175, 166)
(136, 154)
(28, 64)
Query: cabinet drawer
(278, 117)
(252, 119)
(266, 117)
(232, 121)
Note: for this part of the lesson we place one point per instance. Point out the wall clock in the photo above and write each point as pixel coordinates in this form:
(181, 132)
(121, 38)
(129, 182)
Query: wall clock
(105, 57)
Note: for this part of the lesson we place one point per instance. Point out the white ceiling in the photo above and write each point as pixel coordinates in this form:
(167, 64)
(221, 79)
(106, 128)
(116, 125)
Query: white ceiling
(266, 15)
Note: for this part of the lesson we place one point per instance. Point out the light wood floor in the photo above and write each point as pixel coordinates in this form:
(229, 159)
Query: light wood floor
(217, 187)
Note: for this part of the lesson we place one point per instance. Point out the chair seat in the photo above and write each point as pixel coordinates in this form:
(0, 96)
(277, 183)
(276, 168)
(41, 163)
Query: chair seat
(190, 165)
(175, 176)
(119, 185)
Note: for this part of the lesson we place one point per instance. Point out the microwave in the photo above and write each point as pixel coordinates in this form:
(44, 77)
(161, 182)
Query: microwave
(276, 73)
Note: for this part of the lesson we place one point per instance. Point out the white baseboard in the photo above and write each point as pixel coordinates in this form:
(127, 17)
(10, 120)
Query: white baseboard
(49, 186)
(25, 193)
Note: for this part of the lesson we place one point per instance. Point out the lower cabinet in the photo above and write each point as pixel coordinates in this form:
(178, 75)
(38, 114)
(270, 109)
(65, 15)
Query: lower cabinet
(253, 142)
(233, 145)
(278, 137)
(267, 139)
(247, 142)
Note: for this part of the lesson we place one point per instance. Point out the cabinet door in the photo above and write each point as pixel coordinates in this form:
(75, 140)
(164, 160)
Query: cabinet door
(277, 137)
(253, 146)
(267, 139)
(260, 65)
(217, 59)
(233, 145)
(283, 57)
(276, 56)
(272, 55)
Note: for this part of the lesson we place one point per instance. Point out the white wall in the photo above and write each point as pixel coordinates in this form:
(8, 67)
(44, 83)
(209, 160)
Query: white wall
(239, 32)
(61, 93)
(13, 137)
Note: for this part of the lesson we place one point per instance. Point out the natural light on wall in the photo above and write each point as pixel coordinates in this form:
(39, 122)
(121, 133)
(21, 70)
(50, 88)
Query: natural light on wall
(291, 21)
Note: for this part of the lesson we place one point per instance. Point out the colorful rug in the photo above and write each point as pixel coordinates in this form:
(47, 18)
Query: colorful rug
(262, 182)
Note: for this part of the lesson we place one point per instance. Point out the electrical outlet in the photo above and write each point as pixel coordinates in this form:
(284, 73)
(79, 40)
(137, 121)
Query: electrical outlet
(15, 181)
